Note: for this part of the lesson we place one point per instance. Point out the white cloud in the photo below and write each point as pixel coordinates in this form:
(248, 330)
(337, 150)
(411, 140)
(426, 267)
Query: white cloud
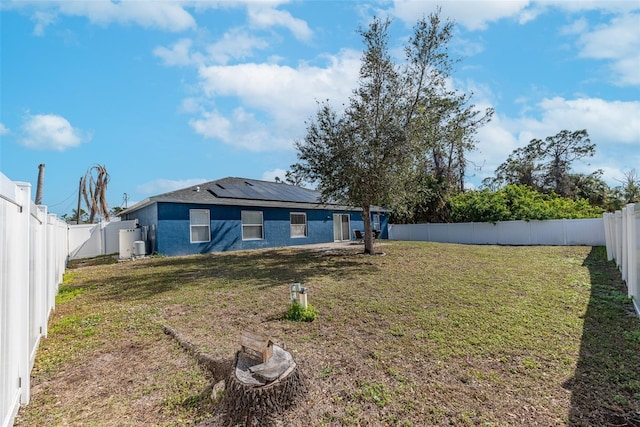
(472, 15)
(160, 186)
(477, 15)
(212, 125)
(51, 132)
(241, 130)
(190, 106)
(276, 99)
(282, 89)
(164, 15)
(3, 129)
(496, 140)
(42, 19)
(605, 120)
(235, 44)
(179, 54)
(619, 42)
(273, 174)
(612, 126)
(578, 26)
(264, 15)
(609, 6)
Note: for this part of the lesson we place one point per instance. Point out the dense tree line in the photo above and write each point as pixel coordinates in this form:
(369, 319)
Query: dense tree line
(535, 182)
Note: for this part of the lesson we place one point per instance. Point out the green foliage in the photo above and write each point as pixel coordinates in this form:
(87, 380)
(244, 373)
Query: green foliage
(545, 165)
(298, 313)
(402, 124)
(517, 202)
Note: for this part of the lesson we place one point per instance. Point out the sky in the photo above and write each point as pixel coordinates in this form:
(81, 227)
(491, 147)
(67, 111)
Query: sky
(170, 94)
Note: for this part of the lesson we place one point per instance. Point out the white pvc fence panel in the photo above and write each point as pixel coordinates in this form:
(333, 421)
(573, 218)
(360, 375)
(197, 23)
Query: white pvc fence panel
(90, 240)
(622, 230)
(33, 252)
(561, 232)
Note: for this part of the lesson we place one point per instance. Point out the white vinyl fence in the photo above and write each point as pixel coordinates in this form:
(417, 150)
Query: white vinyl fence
(560, 232)
(33, 253)
(622, 230)
(90, 240)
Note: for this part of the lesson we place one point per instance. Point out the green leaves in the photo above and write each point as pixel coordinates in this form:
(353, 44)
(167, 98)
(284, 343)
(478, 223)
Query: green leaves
(401, 126)
(545, 165)
(298, 313)
(517, 202)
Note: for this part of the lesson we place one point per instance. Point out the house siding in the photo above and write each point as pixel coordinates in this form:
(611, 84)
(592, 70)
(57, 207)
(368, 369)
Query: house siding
(146, 216)
(171, 222)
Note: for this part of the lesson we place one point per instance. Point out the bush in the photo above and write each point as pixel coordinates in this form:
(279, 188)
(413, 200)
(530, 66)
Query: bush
(297, 313)
(517, 202)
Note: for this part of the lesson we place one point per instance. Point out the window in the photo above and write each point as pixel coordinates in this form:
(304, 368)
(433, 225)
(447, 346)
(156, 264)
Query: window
(376, 222)
(298, 225)
(252, 225)
(200, 225)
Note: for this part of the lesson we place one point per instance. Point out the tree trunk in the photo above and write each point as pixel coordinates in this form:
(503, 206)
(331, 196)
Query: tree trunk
(368, 235)
(259, 394)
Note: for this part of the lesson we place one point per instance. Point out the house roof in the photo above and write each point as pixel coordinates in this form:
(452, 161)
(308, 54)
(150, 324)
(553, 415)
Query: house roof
(244, 192)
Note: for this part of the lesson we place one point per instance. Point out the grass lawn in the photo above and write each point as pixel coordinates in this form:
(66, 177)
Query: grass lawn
(429, 334)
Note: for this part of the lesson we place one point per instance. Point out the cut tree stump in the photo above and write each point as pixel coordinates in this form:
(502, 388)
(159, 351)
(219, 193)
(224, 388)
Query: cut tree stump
(257, 394)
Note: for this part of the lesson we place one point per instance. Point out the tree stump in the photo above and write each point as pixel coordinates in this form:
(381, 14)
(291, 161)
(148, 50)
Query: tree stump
(256, 394)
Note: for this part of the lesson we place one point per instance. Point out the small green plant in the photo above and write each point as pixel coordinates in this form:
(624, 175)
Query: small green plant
(298, 313)
(374, 392)
(68, 293)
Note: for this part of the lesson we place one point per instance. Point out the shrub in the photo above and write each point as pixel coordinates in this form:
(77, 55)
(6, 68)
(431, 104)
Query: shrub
(517, 202)
(298, 313)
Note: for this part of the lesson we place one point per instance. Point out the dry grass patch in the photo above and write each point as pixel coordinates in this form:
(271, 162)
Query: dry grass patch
(430, 334)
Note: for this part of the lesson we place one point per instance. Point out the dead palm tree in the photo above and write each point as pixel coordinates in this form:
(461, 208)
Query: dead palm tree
(94, 191)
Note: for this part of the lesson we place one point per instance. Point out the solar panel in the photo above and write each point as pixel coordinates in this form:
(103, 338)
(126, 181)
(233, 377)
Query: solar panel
(236, 188)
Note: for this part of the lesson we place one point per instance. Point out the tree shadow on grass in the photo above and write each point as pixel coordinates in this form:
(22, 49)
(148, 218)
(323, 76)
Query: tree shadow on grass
(261, 269)
(605, 390)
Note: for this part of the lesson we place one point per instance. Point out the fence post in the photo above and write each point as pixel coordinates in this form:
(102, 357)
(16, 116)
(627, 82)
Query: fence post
(21, 267)
(33, 250)
(53, 248)
(618, 238)
(37, 278)
(630, 262)
(606, 217)
(624, 258)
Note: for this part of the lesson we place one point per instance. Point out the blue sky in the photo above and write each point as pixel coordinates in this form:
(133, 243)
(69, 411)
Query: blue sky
(171, 94)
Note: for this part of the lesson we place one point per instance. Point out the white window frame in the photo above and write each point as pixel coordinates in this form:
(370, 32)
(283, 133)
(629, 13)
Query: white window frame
(293, 226)
(193, 224)
(376, 222)
(246, 226)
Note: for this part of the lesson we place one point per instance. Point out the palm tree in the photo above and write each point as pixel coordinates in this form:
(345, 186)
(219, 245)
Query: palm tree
(94, 191)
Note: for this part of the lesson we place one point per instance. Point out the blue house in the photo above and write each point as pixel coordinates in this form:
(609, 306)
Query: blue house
(237, 213)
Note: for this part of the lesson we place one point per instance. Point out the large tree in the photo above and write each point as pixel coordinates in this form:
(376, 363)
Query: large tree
(546, 165)
(630, 190)
(400, 119)
(558, 153)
